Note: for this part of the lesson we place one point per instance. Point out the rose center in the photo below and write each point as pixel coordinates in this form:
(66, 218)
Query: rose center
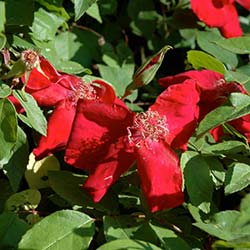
(82, 90)
(147, 126)
(30, 58)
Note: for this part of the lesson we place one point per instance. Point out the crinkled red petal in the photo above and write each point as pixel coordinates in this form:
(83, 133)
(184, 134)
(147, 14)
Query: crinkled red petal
(105, 173)
(179, 103)
(214, 13)
(105, 91)
(244, 3)
(232, 27)
(214, 90)
(49, 69)
(59, 127)
(160, 174)
(97, 126)
(242, 125)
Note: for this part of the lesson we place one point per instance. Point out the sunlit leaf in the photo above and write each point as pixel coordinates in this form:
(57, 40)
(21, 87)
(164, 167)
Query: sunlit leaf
(36, 174)
(237, 177)
(25, 200)
(238, 105)
(202, 60)
(197, 178)
(64, 229)
(15, 168)
(8, 131)
(238, 45)
(34, 114)
(81, 7)
(129, 245)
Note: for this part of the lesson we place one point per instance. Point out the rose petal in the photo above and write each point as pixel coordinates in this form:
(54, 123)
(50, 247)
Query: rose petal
(218, 13)
(106, 173)
(104, 91)
(97, 126)
(160, 174)
(179, 103)
(49, 69)
(244, 3)
(242, 124)
(59, 127)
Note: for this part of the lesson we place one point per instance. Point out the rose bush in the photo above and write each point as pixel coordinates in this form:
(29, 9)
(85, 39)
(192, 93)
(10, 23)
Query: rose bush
(124, 124)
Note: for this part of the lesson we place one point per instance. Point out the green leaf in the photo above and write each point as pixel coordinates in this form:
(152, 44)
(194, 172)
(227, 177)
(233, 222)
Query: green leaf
(3, 40)
(17, 70)
(169, 239)
(6, 191)
(21, 43)
(70, 67)
(8, 131)
(226, 148)
(90, 47)
(206, 41)
(94, 12)
(11, 230)
(108, 7)
(68, 186)
(66, 45)
(222, 225)
(217, 171)
(36, 174)
(238, 45)
(236, 76)
(19, 12)
(81, 7)
(197, 178)
(128, 245)
(34, 113)
(238, 105)
(244, 205)
(145, 74)
(25, 200)
(55, 7)
(5, 90)
(220, 244)
(200, 60)
(118, 77)
(64, 229)
(16, 166)
(120, 227)
(45, 25)
(237, 178)
(2, 16)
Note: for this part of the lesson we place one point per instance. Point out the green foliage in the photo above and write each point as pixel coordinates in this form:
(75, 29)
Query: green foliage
(8, 132)
(63, 229)
(67, 185)
(131, 45)
(16, 166)
(235, 45)
(35, 117)
(237, 106)
(128, 244)
(81, 7)
(207, 42)
(12, 229)
(197, 179)
(237, 178)
(202, 60)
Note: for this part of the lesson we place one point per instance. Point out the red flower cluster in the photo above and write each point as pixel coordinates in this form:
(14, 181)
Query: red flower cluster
(221, 14)
(214, 91)
(101, 135)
